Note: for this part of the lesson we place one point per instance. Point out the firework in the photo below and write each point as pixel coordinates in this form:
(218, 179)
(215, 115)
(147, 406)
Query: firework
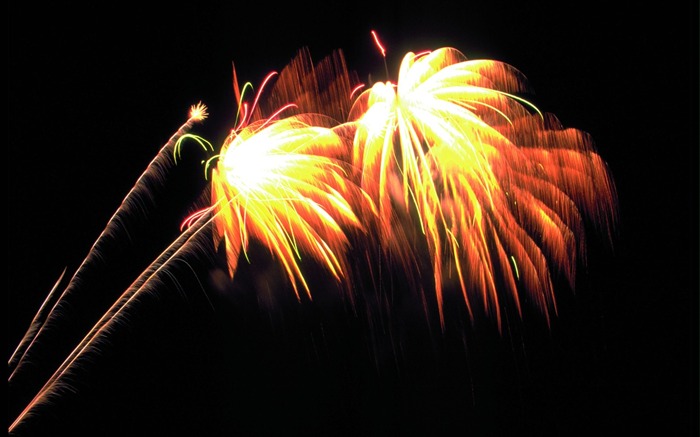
(283, 176)
(113, 229)
(281, 185)
(498, 190)
(50, 312)
(448, 167)
(281, 181)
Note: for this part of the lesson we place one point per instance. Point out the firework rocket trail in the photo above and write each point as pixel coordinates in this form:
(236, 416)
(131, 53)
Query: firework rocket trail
(112, 230)
(34, 327)
(146, 282)
(498, 190)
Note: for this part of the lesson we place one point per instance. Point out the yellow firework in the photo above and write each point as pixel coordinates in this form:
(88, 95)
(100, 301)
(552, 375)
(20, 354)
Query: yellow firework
(499, 190)
(285, 181)
(283, 186)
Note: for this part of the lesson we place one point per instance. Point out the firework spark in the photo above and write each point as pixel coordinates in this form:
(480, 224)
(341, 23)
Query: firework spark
(282, 186)
(498, 189)
(286, 181)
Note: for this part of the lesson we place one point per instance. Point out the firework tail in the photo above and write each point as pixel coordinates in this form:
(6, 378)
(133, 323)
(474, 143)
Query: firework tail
(36, 323)
(151, 174)
(102, 328)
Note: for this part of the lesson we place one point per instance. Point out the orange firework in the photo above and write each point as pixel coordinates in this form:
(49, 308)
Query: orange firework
(498, 190)
(285, 182)
(282, 186)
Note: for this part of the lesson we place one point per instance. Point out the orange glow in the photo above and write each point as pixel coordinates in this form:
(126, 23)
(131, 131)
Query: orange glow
(498, 190)
(356, 90)
(282, 186)
(284, 182)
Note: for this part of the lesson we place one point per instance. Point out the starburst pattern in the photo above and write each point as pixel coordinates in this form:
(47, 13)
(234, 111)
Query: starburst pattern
(282, 186)
(498, 189)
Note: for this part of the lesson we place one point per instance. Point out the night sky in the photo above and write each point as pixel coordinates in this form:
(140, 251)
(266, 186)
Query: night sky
(96, 91)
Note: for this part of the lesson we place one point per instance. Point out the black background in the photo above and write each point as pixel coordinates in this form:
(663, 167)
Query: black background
(94, 92)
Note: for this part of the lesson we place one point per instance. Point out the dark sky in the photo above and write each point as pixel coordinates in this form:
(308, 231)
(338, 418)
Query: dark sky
(95, 91)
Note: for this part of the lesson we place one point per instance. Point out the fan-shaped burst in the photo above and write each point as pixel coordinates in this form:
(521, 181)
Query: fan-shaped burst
(285, 181)
(498, 189)
(283, 185)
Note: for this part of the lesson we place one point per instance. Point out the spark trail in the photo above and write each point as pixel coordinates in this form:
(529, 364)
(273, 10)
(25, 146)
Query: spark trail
(112, 230)
(153, 276)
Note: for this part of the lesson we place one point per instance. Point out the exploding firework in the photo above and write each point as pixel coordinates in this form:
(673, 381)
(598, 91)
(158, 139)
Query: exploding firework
(498, 190)
(283, 175)
(447, 169)
(281, 185)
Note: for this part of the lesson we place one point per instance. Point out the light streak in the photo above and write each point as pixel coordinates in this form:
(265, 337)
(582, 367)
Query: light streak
(144, 283)
(163, 159)
(379, 44)
(23, 353)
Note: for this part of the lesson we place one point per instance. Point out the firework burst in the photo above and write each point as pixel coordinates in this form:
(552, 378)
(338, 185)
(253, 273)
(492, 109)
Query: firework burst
(283, 175)
(282, 186)
(498, 190)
